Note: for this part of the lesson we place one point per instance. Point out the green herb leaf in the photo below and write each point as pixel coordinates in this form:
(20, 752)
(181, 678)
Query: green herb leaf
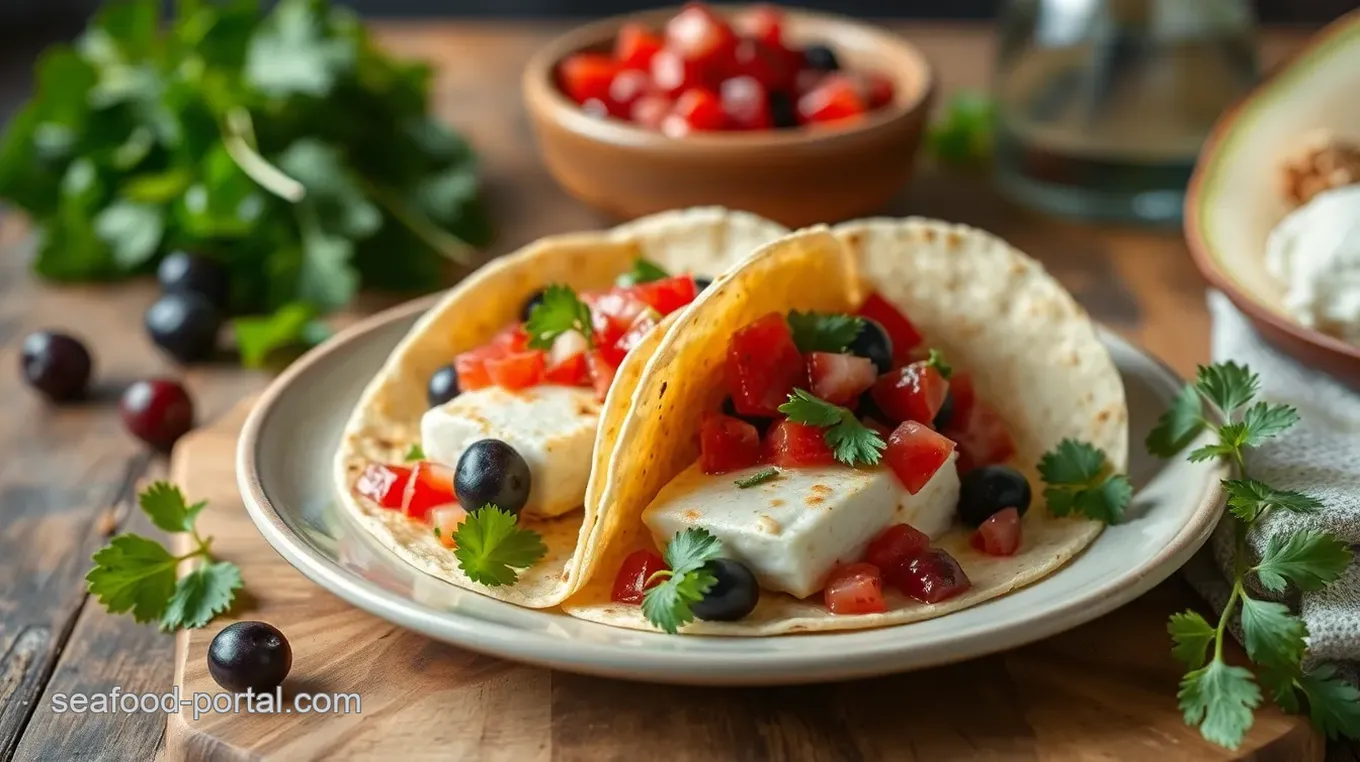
(1263, 421)
(201, 595)
(1179, 425)
(851, 442)
(167, 508)
(1248, 499)
(1333, 703)
(821, 332)
(258, 337)
(759, 477)
(1227, 385)
(295, 52)
(643, 271)
(963, 133)
(1191, 636)
(935, 359)
(1273, 636)
(491, 546)
(691, 549)
(133, 573)
(560, 311)
(1219, 699)
(667, 605)
(1080, 482)
(415, 453)
(1231, 438)
(1309, 559)
(1281, 685)
(132, 231)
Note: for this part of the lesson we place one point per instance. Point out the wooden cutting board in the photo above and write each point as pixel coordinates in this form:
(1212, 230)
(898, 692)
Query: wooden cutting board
(1103, 691)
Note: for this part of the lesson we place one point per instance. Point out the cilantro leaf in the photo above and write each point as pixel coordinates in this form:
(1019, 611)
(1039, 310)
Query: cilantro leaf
(133, 573)
(1282, 685)
(821, 332)
(1191, 636)
(1219, 699)
(643, 271)
(201, 595)
(1227, 385)
(292, 325)
(1248, 499)
(690, 549)
(490, 546)
(851, 442)
(415, 453)
(1273, 636)
(668, 605)
(1231, 438)
(560, 311)
(1180, 424)
(935, 359)
(1080, 482)
(1263, 421)
(1071, 462)
(167, 508)
(1309, 559)
(759, 477)
(1333, 703)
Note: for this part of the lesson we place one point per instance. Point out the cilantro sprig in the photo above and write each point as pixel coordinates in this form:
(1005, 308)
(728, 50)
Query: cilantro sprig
(822, 332)
(642, 271)
(668, 604)
(561, 310)
(1080, 482)
(1215, 696)
(415, 453)
(851, 442)
(137, 574)
(490, 546)
(759, 477)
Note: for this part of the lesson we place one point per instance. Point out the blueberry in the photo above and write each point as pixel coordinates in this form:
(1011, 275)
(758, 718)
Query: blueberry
(443, 386)
(249, 655)
(945, 413)
(701, 283)
(733, 596)
(182, 271)
(492, 472)
(782, 110)
(761, 423)
(984, 491)
(56, 364)
(820, 58)
(533, 301)
(184, 324)
(873, 342)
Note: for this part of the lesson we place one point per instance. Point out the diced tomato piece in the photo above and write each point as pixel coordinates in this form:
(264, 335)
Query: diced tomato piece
(999, 535)
(982, 437)
(790, 445)
(961, 388)
(517, 370)
(601, 373)
(700, 35)
(745, 102)
(764, 366)
(727, 444)
(612, 314)
(636, 333)
(878, 89)
(512, 339)
(834, 98)
(630, 584)
(635, 45)
(383, 484)
(764, 22)
(672, 74)
(929, 577)
(913, 393)
(896, 544)
(627, 87)
(650, 110)
(915, 452)
(840, 378)
(696, 110)
(904, 335)
(587, 75)
(665, 295)
(430, 485)
(854, 589)
(471, 367)
(446, 519)
(773, 67)
(573, 371)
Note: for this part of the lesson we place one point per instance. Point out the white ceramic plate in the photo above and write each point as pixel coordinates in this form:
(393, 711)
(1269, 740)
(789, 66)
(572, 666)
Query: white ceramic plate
(283, 466)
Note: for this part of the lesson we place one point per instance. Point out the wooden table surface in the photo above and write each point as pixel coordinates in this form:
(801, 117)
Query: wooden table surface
(68, 476)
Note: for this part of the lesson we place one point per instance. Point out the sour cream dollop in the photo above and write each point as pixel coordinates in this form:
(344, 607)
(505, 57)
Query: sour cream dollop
(1315, 253)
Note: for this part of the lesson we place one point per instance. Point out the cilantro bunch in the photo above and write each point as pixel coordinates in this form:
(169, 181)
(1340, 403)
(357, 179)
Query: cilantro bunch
(283, 144)
(1217, 696)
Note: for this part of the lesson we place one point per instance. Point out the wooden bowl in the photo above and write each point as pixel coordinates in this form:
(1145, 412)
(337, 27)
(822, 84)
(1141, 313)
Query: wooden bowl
(1234, 199)
(795, 176)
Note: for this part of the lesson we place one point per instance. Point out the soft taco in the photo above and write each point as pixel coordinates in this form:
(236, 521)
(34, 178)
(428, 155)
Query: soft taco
(508, 393)
(846, 433)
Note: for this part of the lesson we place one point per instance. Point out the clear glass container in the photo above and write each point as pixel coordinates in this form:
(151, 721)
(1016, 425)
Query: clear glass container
(1102, 105)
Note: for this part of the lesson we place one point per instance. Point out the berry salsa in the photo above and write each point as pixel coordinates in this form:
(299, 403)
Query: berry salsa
(701, 72)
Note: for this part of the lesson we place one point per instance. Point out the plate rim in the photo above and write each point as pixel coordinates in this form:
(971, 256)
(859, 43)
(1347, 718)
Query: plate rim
(681, 666)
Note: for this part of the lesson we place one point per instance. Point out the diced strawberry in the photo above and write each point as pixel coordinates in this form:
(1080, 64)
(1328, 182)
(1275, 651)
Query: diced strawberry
(915, 452)
(696, 110)
(627, 87)
(672, 74)
(773, 67)
(833, 99)
(700, 35)
(517, 370)
(982, 437)
(894, 545)
(854, 589)
(790, 445)
(446, 519)
(430, 485)
(839, 378)
(665, 295)
(471, 367)
(929, 577)
(587, 75)
(635, 45)
(727, 444)
(601, 373)
(913, 393)
(903, 334)
(573, 371)
(745, 102)
(650, 110)
(764, 22)
(630, 584)
(383, 484)
(999, 535)
(764, 366)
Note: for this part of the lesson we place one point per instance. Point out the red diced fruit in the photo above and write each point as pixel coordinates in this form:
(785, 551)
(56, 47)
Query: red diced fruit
(727, 444)
(587, 75)
(573, 371)
(601, 373)
(650, 110)
(745, 104)
(636, 333)
(913, 393)
(982, 437)
(430, 485)
(446, 519)
(764, 366)
(896, 544)
(696, 110)
(635, 46)
(915, 452)
(903, 334)
(839, 378)
(699, 35)
(961, 387)
(929, 577)
(517, 370)
(667, 294)
(999, 535)
(834, 98)
(612, 314)
(471, 367)
(631, 582)
(764, 22)
(854, 589)
(512, 339)
(790, 445)
(384, 485)
(879, 427)
(672, 74)
(774, 68)
(627, 87)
